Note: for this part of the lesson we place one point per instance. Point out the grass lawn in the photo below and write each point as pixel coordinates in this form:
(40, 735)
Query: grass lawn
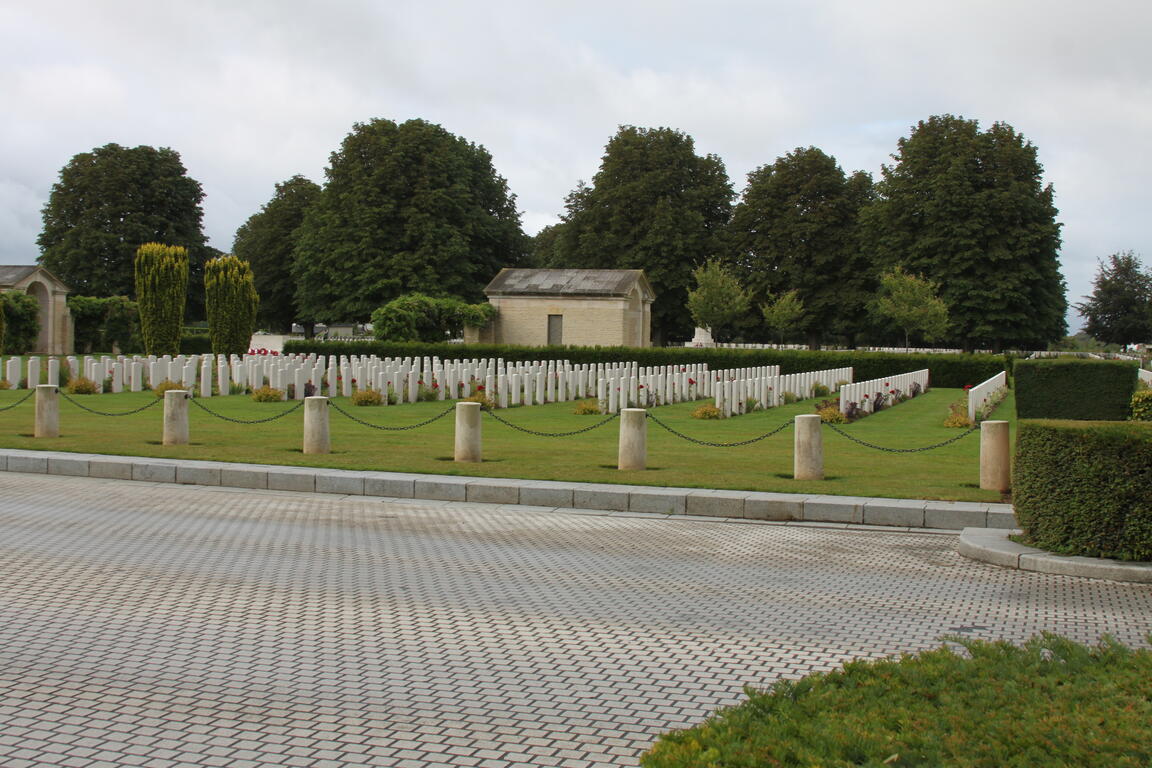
(951, 472)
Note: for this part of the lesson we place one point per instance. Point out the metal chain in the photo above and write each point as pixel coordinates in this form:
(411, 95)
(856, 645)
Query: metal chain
(81, 406)
(581, 431)
(358, 420)
(857, 440)
(221, 416)
(18, 402)
(778, 429)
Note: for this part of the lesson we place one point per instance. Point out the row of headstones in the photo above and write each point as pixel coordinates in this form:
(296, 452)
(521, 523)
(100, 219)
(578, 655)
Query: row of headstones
(864, 393)
(737, 394)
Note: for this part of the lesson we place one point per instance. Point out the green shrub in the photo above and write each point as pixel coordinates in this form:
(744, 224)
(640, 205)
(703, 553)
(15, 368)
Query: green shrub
(1051, 703)
(1141, 407)
(367, 396)
(820, 390)
(1072, 388)
(4, 384)
(947, 370)
(196, 344)
(1085, 488)
(267, 394)
(101, 324)
(829, 412)
(231, 301)
(416, 317)
(788, 398)
(161, 273)
(587, 407)
(166, 386)
(82, 386)
(21, 322)
(708, 412)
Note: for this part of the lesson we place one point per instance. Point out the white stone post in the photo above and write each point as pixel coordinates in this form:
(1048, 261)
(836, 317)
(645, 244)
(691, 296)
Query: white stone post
(47, 411)
(633, 449)
(176, 417)
(53, 370)
(995, 457)
(468, 432)
(808, 449)
(316, 436)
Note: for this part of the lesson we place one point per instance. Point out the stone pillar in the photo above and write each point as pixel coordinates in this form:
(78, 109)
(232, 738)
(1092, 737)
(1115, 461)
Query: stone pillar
(995, 456)
(47, 411)
(468, 432)
(316, 437)
(176, 417)
(808, 449)
(633, 452)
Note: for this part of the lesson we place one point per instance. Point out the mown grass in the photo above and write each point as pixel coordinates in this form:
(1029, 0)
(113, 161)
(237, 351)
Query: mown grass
(951, 472)
(1051, 703)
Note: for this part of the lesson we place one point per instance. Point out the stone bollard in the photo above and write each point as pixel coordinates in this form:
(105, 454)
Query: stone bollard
(633, 451)
(47, 411)
(995, 458)
(316, 438)
(468, 432)
(175, 417)
(808, 449)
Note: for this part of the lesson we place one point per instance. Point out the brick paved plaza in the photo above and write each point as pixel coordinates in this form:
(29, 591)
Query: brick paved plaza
(161, 625)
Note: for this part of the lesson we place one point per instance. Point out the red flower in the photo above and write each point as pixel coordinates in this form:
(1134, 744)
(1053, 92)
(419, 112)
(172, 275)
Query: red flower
(967, 387)
(891, 391)
(692, 382)
(435, 385)
(865, 397)
(274, 352)
(640, 387)
(479, 387)
(354, 381)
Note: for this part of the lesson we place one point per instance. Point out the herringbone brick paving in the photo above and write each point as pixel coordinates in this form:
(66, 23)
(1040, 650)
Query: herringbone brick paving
(160, 625)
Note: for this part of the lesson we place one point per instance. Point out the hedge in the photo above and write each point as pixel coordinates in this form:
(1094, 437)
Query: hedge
(947, 370)
(1068, 388)
(1085, 489)
(195, 344)
(21, 322)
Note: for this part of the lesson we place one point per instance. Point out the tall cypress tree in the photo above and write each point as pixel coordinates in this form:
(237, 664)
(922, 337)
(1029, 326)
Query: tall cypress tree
(161, 287)
(968, 210)
(231, 300)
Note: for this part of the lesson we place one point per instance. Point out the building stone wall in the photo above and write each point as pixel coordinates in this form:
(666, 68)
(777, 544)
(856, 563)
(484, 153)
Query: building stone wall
(608, 321)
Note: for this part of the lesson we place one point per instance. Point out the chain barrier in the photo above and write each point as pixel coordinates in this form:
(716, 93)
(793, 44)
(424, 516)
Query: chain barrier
(222, 417)
(18, 402)
(581, 431)
(858, 441)
(81, 406)
(425, 423)
(737, 444)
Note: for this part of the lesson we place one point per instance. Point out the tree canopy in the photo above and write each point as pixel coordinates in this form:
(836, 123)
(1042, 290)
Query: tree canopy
(1119, 311)
(967, 209)
(109, 202)
(717, 299)
(912, 304)
(406, 208)
(796, 229)
(267, 241)
(654, 205)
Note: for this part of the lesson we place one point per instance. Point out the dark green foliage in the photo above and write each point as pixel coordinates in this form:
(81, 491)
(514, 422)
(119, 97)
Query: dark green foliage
(406, 208)
(267, 241)
(161, 288)
(968, 210)
(796, 228)
(1084, 488)
(109, 202)
(232, 302)
(653, 205)
(3, 327)
(1051, 703)
(1072, 388)
(22, 323)
(1119, 311)
(196, 344)
(416, 317)
(947, 370)
(101, 324)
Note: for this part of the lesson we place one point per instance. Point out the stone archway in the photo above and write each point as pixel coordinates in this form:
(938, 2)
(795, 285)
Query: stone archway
(39, 291)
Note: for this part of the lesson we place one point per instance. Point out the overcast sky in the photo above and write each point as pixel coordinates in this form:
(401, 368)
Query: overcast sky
(250, 92)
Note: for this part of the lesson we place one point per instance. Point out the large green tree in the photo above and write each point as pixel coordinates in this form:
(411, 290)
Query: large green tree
(161, 281)
(654, 205)
(718, 299)
(267, 241)
(406, 207)
(231, 301)
(1119, 311)
(967, 209)
(109, 202)
(796, 229)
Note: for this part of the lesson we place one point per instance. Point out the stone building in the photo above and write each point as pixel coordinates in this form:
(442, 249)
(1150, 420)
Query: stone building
(583, 307)
(55, 320)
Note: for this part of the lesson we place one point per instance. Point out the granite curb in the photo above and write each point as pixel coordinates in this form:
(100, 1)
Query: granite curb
(732, 505)
(991, 545)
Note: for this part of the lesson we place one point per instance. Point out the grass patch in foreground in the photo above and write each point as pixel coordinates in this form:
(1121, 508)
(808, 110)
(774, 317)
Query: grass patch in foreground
(951, 472)
(1052, 702)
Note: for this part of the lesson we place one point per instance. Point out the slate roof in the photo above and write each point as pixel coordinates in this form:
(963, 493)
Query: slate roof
(567, 282)
(10, 274)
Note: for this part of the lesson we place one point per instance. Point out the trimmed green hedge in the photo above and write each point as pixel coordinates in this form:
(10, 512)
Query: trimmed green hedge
(1068, 388)
(1085, 489)
(947, 370)
(195, 344)
(1051, 703)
